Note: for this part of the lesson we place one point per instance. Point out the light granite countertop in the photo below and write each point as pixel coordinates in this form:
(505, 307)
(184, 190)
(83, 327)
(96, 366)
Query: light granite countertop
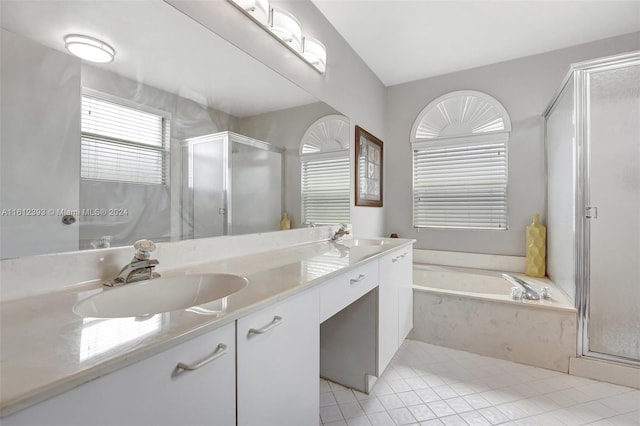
(47, 349)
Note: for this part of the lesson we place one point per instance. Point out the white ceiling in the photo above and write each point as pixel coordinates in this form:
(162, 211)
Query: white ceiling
(160, 47)
(403, 41)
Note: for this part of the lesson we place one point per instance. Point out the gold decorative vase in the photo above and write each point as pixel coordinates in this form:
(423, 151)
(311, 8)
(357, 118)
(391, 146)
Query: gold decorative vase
(285, 223)
(536, 248)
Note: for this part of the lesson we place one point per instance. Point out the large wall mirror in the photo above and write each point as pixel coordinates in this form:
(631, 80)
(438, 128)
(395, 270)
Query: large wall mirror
(182, 135)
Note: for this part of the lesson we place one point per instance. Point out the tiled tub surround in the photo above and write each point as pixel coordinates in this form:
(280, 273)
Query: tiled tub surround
(471, 309)
(45, 344)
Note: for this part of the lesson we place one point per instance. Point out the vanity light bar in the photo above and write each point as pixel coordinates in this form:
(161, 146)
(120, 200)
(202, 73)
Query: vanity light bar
(285, 28)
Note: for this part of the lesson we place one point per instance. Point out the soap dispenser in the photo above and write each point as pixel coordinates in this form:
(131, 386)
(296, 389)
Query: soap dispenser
(285, 223)
(536, 248)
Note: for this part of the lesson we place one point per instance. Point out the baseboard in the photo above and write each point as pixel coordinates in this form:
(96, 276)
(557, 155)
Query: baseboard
(605, 371)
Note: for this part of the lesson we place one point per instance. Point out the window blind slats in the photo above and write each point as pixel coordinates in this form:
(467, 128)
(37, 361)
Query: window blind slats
(460, 183)
(122, 144)
(325, 190)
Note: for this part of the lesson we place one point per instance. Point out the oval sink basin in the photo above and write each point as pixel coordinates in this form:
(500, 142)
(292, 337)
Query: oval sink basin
(159, 295)
(362, 242)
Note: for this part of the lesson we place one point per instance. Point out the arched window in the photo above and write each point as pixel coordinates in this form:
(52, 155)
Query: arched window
(459, 144)
(324, 155)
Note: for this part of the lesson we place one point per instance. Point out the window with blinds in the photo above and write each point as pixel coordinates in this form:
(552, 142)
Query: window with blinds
(459, 144)
(461, 182)
(325, 189)
(123, 144)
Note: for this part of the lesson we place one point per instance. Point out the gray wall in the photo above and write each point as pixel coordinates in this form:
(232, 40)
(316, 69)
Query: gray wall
(348, 85)
(524, 87)
(39, 149)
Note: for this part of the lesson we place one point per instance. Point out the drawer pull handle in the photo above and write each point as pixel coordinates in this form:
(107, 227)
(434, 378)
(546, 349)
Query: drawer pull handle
(273, 324)
(220, 350)
(402, 256)
(357, 280)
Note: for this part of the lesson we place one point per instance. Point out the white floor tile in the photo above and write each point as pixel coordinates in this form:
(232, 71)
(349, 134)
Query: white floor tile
(381, 419)
(459, 405)
(440, 408)
(445, 392)
(421, 412)
(433, 422)
(391, 401)
(343, 396)
(330, 414)
(454, 420)
(327, 399)
(493, 415)
(402, 416)
(358, 421)
(410, 398)
(473, 418)
(476, 401)
(336, 423)
(371, 405)
(624, 402)
(438, 386)
(351, 410)
(399, 386)
(427, 395)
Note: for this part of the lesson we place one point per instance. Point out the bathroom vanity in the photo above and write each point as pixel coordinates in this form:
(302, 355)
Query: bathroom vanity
(334, 309)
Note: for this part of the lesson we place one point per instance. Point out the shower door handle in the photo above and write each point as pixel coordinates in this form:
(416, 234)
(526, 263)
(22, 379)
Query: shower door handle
(591, 212)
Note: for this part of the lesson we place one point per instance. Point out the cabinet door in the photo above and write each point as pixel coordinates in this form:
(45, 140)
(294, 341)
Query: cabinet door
(387, 310)
(152, 391)
(404, 269)
(278, 363)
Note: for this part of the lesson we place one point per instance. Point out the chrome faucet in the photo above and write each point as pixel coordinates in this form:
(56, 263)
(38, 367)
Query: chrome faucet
(340, 233)
(529, 292)
(141, 266)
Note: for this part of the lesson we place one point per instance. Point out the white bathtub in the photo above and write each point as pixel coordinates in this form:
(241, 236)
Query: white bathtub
(472, 310)
(484, 284)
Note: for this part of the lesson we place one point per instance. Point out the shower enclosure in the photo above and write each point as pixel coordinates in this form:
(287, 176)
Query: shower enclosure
(593, 198)
(232, 184)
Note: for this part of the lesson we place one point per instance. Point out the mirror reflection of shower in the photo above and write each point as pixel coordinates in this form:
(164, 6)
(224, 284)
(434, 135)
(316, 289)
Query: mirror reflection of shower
(232, 184)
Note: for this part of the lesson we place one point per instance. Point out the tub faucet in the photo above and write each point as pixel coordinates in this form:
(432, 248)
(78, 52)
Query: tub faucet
(528, 293)
(141, 266)
(340, 233)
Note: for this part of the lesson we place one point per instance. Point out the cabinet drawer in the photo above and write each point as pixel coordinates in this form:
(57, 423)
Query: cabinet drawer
(153, 391)
(341, 291)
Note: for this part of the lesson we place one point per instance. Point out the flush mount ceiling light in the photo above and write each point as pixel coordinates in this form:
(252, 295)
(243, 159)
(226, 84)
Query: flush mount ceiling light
(286, 27)
(315, 53)
(259, 9)
(89, 48)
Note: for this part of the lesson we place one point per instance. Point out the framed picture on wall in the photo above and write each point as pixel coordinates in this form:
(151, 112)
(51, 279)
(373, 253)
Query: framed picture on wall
(368, 169)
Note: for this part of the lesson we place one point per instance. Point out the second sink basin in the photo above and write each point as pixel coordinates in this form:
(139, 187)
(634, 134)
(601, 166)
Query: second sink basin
(362, 242)
(159, 295)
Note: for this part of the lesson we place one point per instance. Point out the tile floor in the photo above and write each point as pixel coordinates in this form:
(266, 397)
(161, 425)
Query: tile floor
(431, 385)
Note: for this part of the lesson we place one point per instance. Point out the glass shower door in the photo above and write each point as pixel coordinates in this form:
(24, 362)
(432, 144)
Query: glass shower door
(612, 101)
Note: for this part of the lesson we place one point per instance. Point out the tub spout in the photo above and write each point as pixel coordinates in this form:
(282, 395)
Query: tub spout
(528, 293)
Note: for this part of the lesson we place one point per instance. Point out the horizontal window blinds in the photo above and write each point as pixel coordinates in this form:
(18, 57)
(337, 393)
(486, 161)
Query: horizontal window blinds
(325, 190)
(123, 144)
(461, 183)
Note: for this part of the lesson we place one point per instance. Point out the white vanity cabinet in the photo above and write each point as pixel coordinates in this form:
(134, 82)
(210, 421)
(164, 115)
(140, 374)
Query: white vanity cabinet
(395, 303)
(278, 363)
(404, 271)
(153, 391)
